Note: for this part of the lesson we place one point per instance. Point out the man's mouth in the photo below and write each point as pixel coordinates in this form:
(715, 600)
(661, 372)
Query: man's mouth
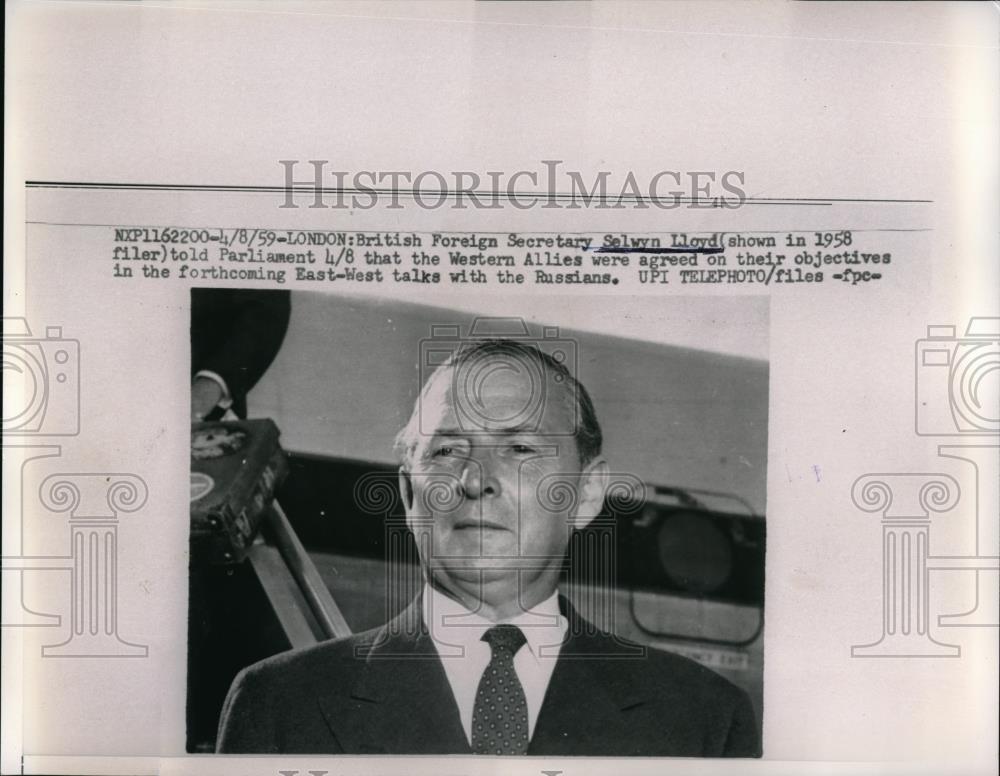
(480, 525)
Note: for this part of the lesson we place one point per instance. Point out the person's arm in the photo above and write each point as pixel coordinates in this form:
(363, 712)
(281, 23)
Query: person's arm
(235, 336)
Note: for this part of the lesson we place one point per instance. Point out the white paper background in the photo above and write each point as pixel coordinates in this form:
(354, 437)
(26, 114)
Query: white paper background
(810, 100)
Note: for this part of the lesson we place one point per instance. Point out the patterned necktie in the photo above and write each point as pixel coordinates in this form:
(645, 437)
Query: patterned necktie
(500, 715)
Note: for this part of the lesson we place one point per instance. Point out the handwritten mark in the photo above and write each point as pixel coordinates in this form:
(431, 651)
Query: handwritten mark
(678, 249)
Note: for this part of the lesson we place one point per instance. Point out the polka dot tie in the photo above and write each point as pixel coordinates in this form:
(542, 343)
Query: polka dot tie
(500, 714)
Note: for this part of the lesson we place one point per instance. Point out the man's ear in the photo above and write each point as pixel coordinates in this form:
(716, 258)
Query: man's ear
(406, 489)
(593, 484)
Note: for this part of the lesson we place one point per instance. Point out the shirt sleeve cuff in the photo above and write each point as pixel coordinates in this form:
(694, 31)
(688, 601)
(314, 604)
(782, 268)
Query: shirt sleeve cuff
(227, 400)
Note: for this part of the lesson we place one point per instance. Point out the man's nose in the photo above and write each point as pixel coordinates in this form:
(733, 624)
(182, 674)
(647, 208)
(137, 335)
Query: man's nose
(478, 478)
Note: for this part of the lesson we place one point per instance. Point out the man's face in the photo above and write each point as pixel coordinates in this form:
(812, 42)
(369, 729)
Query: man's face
(496, 498)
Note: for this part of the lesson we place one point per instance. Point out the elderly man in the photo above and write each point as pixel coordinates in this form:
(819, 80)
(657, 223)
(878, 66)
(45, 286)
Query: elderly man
(501, 461)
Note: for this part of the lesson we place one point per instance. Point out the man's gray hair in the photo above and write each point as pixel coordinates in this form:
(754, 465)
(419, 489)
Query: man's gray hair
(587, 432)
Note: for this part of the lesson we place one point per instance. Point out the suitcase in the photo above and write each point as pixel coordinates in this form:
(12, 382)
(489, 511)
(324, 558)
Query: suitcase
(236, 466)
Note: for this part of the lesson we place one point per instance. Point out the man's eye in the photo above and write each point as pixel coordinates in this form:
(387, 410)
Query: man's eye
(448, 451)
(523, 449)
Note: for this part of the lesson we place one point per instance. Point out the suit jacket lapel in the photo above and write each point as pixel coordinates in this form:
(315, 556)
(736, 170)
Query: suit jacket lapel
(589, 696)
(402, 701)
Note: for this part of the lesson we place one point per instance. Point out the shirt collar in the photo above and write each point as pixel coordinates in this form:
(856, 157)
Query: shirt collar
(449, 622)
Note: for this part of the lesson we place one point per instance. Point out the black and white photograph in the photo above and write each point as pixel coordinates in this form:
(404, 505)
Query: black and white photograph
(475, 534)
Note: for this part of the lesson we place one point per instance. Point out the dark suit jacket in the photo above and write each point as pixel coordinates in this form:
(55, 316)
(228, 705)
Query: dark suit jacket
(385, 692)
(236, 333)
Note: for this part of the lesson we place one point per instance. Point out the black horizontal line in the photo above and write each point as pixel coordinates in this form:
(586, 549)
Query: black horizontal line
(488, 194)
(473, 231)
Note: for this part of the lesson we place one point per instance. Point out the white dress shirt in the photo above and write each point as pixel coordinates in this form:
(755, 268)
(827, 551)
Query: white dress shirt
(457, 635)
